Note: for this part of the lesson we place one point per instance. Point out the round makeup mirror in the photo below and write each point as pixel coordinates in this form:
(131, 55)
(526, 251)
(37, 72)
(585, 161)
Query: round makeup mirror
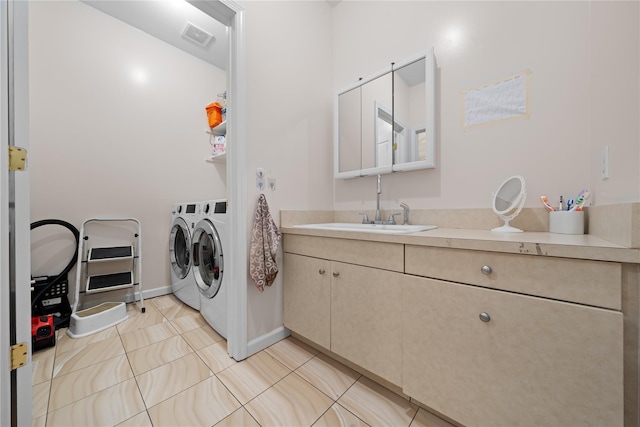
(508, 202)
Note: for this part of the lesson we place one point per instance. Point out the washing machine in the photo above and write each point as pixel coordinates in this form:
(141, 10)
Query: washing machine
(210, 240)
(184, 217)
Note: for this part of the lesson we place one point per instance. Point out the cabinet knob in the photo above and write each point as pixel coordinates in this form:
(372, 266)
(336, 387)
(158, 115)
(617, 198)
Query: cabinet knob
(486, 270)
(321, 271)
(336, 274)
(484, 316)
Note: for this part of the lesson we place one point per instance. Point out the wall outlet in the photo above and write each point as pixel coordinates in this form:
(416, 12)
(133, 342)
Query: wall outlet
(604, 167)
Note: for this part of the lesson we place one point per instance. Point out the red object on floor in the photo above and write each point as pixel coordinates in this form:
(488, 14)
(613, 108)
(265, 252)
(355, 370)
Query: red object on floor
(42, 332)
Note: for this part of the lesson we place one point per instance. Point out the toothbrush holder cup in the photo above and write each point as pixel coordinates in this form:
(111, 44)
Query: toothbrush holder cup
(566, 222)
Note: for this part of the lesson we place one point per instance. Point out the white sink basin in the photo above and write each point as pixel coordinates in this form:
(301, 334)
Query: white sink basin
(368, 228)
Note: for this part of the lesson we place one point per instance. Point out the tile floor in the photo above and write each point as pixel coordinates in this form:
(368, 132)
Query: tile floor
(167, 367)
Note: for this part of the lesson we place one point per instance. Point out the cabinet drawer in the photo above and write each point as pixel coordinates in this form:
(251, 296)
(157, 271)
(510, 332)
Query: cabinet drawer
(387, 256)
(594, 283)
(527, 361)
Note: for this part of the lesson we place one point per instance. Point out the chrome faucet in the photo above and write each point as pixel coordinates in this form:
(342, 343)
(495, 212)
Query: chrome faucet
(378, 218)
(406, 213)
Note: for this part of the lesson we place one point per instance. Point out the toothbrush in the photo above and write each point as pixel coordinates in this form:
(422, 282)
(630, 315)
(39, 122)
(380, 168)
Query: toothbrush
(580, 201)
(546, 204)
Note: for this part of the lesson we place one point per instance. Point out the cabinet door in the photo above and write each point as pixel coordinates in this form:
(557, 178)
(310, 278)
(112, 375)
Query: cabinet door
(366, 319)
(533, 362)
(307, 287)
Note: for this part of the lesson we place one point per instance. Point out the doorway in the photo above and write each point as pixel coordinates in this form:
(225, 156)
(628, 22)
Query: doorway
(15, 400)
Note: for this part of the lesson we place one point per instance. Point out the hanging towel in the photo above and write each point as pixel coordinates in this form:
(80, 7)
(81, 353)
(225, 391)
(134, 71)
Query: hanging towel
(265, 239)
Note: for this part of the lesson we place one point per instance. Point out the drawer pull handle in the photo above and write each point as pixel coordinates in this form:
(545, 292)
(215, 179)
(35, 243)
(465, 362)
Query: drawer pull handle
(484, 316)
(486, 270)
(336, 274)
(321, 271)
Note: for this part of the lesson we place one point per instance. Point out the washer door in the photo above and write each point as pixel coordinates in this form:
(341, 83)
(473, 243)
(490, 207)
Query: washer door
(179, 247)
(207, 258)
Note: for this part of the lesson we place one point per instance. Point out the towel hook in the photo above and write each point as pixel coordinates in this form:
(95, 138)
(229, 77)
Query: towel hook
(260, 179)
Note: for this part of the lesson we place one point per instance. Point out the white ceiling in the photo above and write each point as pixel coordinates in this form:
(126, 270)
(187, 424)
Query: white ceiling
(166, 20)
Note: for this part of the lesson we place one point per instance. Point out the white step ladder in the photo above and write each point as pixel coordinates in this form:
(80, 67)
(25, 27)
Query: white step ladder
(123, 257)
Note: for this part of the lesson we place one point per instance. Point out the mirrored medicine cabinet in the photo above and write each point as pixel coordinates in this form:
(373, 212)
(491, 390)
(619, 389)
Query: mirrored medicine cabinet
(386, 123)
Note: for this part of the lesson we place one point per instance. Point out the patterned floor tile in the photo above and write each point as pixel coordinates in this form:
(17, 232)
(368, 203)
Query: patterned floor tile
(106, 408)
(291, 352)
(204, 404)
(290, 402)
(252, 376)
(376, 405)
(170, 379)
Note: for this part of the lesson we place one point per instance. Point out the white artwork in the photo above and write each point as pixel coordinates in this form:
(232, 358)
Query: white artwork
(506, 99)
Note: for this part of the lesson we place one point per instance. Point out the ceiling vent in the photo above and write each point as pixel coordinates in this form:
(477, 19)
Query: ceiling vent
(197, 35)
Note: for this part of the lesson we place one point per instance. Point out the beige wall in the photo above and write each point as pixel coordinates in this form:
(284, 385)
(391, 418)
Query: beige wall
(583, 57)
(104, 145)
(584, 94)
(289, 122)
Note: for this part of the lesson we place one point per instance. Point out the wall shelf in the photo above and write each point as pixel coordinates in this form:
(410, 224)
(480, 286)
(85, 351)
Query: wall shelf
(221, 129)
(217, 158)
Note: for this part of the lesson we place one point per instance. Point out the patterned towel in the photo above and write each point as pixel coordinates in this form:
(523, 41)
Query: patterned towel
(265, 239)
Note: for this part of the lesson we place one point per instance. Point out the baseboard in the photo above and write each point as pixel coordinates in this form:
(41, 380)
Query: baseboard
(150, 293)
(263, 341)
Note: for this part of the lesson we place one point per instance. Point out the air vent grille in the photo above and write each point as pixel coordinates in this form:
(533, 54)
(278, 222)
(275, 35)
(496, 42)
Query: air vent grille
(197, 35)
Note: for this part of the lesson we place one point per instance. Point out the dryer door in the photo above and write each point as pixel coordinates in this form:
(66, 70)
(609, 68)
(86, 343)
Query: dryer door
(207, 258)
(179, 247)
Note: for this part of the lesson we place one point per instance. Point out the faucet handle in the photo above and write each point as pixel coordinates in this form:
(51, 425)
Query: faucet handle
(365, 218)
(392, 219)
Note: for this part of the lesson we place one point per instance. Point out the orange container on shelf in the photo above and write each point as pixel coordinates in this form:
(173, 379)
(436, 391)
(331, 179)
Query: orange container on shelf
(214, 114)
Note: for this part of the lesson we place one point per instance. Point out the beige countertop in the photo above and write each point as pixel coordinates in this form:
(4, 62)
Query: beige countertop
(529, 243)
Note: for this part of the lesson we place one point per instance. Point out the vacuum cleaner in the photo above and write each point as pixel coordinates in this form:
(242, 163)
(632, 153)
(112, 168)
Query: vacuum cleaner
(50, 308)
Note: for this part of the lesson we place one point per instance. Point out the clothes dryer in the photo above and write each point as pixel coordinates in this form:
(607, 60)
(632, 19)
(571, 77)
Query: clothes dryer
(209, 245)
(184, 217)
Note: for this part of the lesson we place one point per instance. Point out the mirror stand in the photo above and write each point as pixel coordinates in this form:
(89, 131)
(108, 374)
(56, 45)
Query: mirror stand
(508, 202)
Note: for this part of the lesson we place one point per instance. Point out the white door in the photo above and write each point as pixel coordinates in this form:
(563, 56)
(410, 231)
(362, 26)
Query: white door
(15, 295)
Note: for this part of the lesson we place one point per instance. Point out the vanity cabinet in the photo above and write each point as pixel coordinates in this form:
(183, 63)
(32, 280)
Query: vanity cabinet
(365, 318)
(501, 339)
(350, 308)
(307, 297)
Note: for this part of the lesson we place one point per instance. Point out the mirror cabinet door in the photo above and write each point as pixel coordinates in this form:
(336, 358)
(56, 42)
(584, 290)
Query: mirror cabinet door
(409, 108)
(349, 131)
(414, 109)
(376, 137)
(387, 123)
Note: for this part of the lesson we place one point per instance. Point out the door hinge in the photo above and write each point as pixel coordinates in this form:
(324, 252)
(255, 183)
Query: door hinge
(17, 158)
(19, 355)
